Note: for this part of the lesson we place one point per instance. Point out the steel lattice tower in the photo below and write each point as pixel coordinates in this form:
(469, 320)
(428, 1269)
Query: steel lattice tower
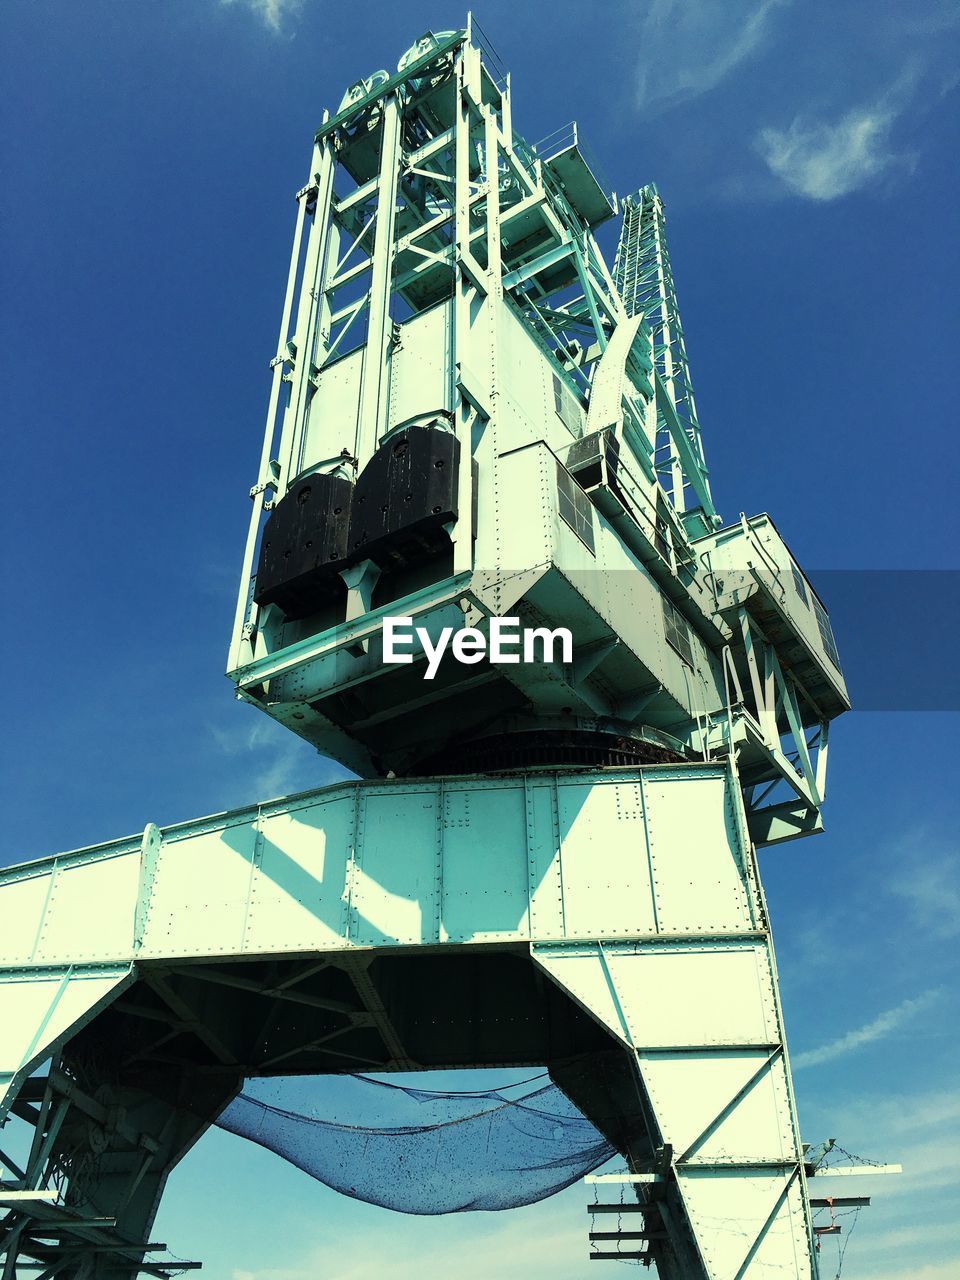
(644, 279)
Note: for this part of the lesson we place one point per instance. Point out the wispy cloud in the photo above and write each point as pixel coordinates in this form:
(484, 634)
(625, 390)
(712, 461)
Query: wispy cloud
(271, 760)
(523, 1245)
(273, 13)
(687, 47)
(788, 113)
(910, 1227)
(946, 1270)
(875, 1030)
(912, 1114)
(825, 157)
(824, 161)
(931, 890)
(288, 771)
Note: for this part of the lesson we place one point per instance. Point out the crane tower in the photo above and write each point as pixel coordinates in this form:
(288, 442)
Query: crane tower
(478, 435)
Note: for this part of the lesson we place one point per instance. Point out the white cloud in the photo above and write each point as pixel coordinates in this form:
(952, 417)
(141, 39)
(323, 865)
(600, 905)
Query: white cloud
(257, 733)
(687, 47)
(929, 1167)
(909, 1230)
(875, 1030)
(932, 891)
(547, 1244)
(923, 1235)
(272, 761)
(284, 773)
(925, 1118)
(825, 161)
(948, 1270)
(915, 1113)
(273, 13)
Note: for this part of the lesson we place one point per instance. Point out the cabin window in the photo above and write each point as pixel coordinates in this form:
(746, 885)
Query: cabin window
(799, 583)
(575, 508)
(565, 403)
(677, 631)
(826, 633)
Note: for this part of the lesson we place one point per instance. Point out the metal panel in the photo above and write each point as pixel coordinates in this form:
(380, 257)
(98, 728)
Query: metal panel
(485, 862)
(184, 919)
(691, 1090)
(710, 993)
(298, 889)
(594, 855)
(606, 875)
(21, 916)
(38, 1009)
(743, 1229)
(702, 1019)
(395, 892)
(89, 911)
(545, 858)
(581, 972)
(697, 858)
(419, 366)
(333, 410)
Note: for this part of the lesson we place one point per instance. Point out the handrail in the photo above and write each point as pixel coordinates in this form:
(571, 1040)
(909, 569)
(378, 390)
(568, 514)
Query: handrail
(559, 140)
(568, 135)
(491, 59)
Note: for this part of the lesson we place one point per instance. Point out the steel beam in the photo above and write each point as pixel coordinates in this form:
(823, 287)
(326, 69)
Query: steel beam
(653, 939)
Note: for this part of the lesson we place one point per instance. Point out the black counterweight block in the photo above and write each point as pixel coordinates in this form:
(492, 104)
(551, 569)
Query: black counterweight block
(394, 515)
(305, 545)
(404, 496)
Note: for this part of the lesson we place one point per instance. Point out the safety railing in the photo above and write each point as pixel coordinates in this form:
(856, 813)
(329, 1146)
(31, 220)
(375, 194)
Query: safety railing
(491, 59)
(562, 139)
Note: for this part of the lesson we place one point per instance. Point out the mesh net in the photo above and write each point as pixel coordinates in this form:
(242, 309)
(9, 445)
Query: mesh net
(422, 1151)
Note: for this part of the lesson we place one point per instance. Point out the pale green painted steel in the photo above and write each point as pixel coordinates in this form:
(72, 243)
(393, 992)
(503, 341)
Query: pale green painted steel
(644, 279)
(445, 271)
(634, 890)
(570, 853)
(507, 327)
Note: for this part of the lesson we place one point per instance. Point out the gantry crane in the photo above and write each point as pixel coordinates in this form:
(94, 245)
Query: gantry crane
(471, 417)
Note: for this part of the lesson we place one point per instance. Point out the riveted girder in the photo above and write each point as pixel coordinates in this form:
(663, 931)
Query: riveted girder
(309, 944)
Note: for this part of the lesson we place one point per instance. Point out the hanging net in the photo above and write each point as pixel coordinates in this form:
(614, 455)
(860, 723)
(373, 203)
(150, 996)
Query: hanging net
(422, 1151)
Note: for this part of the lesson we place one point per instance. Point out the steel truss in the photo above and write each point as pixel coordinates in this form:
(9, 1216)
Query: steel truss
(644, 278)
(439, 197)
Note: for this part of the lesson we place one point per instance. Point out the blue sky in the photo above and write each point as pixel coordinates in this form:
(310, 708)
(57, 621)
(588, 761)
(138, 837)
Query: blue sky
(807, 156)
